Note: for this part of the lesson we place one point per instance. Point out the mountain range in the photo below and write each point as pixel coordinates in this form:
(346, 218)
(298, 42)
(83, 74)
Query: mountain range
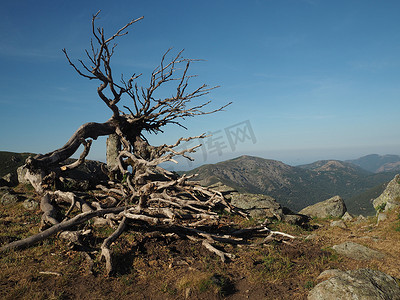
(300, 186)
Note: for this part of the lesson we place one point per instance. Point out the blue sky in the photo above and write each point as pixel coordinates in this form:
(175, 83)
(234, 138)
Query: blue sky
(308, 79)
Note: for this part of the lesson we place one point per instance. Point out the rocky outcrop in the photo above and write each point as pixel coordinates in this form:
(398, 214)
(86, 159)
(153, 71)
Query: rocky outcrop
(363, 284)
(256, 205)
(357, 251)
(347, 217)
(390, 198)
(333, 207)
(259, 206)
(21, 173)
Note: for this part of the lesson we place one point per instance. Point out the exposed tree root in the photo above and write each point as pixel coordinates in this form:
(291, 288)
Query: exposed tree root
(105, 247)
(83, 217)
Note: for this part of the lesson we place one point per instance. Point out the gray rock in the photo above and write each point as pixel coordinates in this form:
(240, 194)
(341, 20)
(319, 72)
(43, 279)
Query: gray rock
(339, 223)
(390, 198)
(363, 284)
(361, 218)
(30, 204)
(257, 205)
(347, 217)
(295, 219)
(327, 274)
(9, 199)
(333, 207)
(357, 251)
(21, 172)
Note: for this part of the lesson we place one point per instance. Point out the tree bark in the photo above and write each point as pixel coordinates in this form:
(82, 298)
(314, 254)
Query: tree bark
(113, 149)
(88, 130)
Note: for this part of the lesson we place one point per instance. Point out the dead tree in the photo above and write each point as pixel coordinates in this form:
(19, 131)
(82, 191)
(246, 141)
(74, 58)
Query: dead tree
(139, 190)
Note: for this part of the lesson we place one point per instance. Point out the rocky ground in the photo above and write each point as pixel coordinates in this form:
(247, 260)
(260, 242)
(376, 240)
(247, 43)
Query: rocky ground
(334, 254)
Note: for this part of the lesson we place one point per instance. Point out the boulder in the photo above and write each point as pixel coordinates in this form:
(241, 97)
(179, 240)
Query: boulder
(390, 198)
(363, 284)
(333, 207)
(30, 204)
(347, 217)
(360, 219)
(9, 199)
(21, 172)
(295, 219)
(257, 205)
(4, 190)
(339, 223)
(357, 251)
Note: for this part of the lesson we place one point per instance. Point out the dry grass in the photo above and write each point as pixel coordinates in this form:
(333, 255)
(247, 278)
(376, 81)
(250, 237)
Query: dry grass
(176, 269)
(384, 237)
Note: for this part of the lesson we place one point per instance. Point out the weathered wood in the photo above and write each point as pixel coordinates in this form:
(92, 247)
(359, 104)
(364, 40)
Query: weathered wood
(83, 217)
(88, 130)
(105, 247)
(49, 212)
(81, 159)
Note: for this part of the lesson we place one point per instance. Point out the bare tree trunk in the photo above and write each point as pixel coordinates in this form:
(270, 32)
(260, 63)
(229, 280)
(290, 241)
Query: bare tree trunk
(113, 148)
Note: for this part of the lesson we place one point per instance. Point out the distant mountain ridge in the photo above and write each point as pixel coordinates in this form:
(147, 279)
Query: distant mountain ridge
(378, 163)
(295, 187)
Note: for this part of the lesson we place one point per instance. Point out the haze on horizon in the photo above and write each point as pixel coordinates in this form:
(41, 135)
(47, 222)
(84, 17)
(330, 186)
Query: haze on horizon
(309, 79)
